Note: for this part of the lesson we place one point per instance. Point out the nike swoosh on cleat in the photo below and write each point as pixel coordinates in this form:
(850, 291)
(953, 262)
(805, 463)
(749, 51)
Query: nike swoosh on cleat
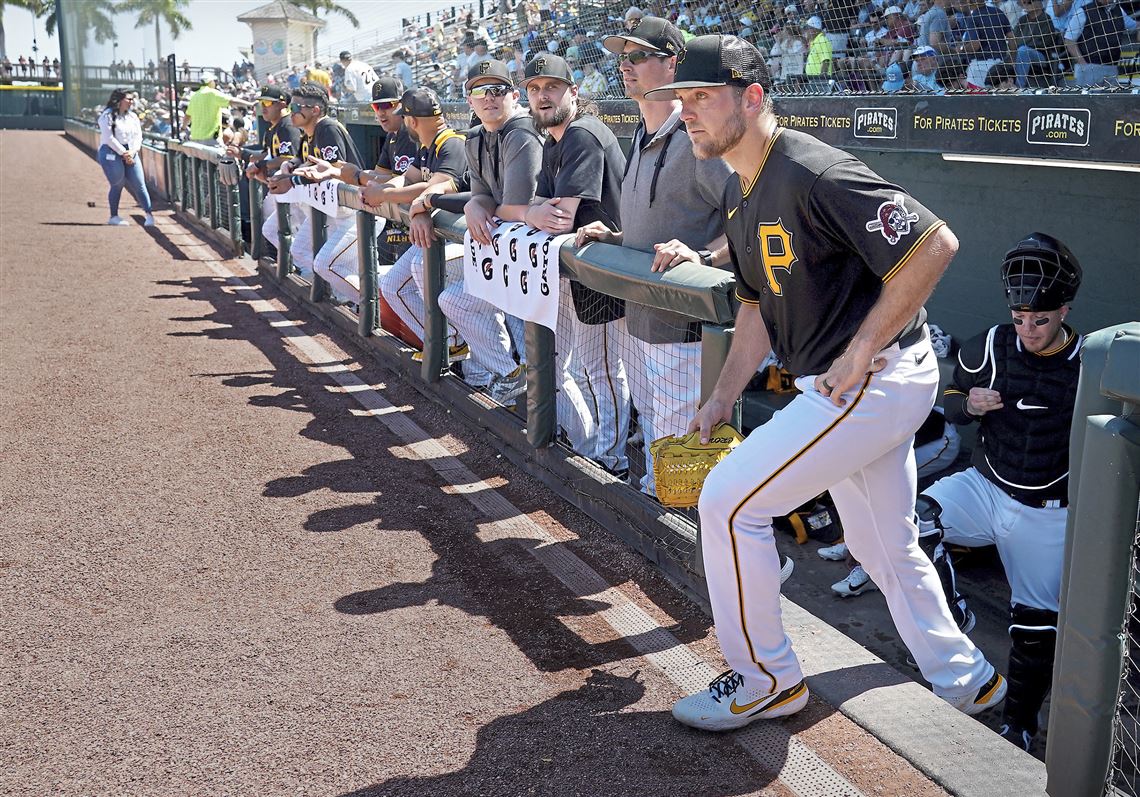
(1021, 405)
(732, 212)
(791, 694)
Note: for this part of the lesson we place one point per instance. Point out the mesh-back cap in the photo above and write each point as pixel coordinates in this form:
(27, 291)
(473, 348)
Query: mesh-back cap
(387, 89)
(716, 60)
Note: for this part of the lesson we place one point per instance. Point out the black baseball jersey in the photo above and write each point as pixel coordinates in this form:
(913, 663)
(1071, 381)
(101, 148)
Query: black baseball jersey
(283, 139)
(330, 142)
(587, 163)
(445, 156)
(1023, 448)
(814, 235)
(398, 151)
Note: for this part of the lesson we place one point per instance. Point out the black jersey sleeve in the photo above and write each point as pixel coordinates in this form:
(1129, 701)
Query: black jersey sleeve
(872, 217)
(451, 160)
(582, 167)
(331, 142)
(973, 369)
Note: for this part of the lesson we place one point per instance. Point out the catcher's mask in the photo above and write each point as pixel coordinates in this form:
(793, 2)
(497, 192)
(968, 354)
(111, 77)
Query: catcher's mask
(1040, 274)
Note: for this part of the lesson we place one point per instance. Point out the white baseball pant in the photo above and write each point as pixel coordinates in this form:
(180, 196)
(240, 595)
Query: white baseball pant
(595, 347)
(302, 247)
(863, 453)
(482, 325)
(665, 384)
(269, 225)
(338, 262)
(575, 415)
(402, 288)
(1030, 540)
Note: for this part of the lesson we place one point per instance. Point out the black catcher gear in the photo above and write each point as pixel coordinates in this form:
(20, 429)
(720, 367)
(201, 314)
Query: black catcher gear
(1040, 274)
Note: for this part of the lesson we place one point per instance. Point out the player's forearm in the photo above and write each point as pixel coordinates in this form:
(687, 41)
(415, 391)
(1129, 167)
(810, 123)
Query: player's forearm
(750, 346)
(905, 293)
(511, 212)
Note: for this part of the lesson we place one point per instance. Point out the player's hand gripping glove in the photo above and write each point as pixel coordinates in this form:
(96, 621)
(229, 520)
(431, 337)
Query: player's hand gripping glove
(681, 464)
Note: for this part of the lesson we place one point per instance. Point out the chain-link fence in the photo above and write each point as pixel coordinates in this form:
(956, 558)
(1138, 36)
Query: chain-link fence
(1124, 777)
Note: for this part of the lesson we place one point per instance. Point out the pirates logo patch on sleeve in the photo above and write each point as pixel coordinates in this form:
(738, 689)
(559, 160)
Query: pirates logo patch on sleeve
(330, 153)
(893, 220)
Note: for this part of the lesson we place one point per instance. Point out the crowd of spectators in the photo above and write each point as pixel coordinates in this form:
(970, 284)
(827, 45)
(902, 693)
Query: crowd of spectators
(811, 45)
(24, 67)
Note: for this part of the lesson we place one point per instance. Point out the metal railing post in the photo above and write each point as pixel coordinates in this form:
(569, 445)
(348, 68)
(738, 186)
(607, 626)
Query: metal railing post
(284, 240)
(256, 200)
(318, 289)
(716, 340)
(213, 195)
(196, 176)
(366, 257)
(435, 325)
(235, 219)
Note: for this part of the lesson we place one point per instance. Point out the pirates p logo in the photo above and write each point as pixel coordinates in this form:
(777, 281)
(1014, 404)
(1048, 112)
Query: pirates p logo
(776, 252)
(484, 66)
(540, 65)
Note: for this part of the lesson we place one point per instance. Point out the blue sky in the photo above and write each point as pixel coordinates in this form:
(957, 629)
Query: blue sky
(217, 37)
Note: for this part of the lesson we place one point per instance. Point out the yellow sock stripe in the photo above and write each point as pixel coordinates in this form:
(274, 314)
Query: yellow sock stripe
(751, 495)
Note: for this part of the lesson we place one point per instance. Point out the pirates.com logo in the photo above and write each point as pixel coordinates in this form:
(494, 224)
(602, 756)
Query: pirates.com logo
(1067, 127)
(876, 122)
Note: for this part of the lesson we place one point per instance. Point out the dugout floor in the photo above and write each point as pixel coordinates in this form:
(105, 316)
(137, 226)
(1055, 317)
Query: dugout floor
(237, 560)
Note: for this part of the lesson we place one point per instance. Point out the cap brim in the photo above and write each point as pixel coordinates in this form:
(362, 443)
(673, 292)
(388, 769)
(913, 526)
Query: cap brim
(502, 81)
(523, 83)
(385, 99)
(615, 44)
(666, 92)
(275, 99)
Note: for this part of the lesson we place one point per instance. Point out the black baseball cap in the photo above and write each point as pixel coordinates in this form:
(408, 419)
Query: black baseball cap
(387, 89)
(420, 103)
(547, 66)
(272, 93)
(652, 33)
(716, 60)
(492, 69)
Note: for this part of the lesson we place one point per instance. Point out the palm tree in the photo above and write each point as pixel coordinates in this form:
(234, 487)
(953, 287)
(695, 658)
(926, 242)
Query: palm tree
(159, 11)
(37, 7)
(89, 18)
(315, 7)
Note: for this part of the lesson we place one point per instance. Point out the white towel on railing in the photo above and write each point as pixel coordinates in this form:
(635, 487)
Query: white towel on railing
(518, 272)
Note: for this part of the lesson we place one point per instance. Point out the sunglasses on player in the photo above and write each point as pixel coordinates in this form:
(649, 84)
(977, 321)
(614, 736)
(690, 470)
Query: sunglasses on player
(494, 90)
(638, 57)
(385, 105)
(297, 107)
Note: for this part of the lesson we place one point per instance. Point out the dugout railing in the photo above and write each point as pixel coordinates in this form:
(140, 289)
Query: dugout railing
(1093, 726)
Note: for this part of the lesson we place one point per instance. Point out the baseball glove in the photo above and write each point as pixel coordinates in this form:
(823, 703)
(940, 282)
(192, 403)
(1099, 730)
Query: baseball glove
(680, 464)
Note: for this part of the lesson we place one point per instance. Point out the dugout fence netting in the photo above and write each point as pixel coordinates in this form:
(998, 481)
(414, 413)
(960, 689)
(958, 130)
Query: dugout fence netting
(1124, 775)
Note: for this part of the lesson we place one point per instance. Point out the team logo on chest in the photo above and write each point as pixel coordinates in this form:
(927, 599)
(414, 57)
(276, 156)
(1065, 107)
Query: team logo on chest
(893, 220)
(402, 163)
(776, 252)
(331, 153)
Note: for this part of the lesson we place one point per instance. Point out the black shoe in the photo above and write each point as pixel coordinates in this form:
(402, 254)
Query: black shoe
(1015, 734)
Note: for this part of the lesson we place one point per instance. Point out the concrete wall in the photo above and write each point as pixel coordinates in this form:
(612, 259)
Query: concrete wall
(991, 206)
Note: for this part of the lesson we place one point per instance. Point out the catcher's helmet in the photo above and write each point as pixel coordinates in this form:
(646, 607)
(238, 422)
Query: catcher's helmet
(1040, 274)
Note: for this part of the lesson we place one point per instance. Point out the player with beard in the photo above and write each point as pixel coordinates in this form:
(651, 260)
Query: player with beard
(580, 183)
(662, 352)
(832, 266)
(341, 266)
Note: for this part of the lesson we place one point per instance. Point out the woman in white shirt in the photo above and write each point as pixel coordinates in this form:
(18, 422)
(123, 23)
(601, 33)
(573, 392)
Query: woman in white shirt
(120, 139)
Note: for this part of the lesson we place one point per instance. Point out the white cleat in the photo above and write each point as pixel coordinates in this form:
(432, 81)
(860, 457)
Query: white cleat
(834, 553)
(786, 569)
(992, 692)
(116, 221)
(731, 703)
(856, 583)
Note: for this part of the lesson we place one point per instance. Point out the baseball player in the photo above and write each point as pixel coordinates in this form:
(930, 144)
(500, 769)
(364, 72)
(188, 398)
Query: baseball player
(504, 154)
(340, 266)
(580, 183)
(440, 167)
(662, 351)
(327, 139)
(1019, 383)
(832, 265)
(282, 141)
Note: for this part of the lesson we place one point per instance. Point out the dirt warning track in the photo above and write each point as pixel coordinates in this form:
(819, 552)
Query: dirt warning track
(238, 561)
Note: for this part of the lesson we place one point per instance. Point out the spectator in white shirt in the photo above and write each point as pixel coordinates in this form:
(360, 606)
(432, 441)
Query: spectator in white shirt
(120, 141)
(358, 79)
